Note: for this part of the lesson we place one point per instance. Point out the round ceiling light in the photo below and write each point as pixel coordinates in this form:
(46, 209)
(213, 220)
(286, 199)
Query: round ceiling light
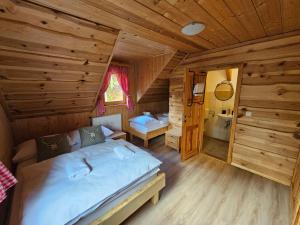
(193, 28)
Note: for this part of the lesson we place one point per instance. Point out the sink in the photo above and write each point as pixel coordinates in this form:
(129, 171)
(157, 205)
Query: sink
(225, 117)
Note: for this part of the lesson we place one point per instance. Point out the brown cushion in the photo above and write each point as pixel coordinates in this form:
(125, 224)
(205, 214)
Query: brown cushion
(51, 146)
(91, 136)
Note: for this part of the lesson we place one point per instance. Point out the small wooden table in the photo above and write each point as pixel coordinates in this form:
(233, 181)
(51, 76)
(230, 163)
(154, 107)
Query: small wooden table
(173, 138)
(119, 135)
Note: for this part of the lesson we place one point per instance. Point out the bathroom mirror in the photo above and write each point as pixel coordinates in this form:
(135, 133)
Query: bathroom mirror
(224, 91)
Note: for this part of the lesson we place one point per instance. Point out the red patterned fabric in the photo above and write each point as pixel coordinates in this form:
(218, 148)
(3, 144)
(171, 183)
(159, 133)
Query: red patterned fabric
(122, 76)
(7, 180)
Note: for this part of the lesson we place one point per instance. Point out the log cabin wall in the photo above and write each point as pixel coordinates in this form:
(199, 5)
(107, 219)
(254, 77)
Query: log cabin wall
(50, 62)
(176, 98)
(24, 129)
(267, 132)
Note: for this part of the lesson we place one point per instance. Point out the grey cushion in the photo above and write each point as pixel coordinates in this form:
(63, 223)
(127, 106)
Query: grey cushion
(91, 136)
(51, 146)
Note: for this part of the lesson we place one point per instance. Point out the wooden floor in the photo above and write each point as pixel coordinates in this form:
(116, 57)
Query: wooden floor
(205, 191)
(216, 148)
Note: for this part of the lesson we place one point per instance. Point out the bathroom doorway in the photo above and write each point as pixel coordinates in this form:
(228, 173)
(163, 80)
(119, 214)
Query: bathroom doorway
(219, 107)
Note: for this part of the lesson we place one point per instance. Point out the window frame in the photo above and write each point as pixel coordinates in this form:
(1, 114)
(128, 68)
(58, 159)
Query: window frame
(111, 103)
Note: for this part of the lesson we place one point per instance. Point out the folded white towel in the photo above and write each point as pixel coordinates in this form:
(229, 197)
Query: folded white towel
(77, 169)
(124, 152)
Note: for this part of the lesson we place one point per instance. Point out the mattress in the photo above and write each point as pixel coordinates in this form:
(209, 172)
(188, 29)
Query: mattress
(96, 209)
(146, 129)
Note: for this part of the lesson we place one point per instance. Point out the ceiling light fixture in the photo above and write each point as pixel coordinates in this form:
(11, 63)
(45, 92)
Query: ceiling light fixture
(193, 28)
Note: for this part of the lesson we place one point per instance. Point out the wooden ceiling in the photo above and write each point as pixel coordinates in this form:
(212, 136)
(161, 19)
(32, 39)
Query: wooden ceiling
(131, 47)
(227, 21)
(50, 62)
(53, 53)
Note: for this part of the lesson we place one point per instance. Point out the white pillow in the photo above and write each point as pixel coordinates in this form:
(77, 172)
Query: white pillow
(106, 131)
(26, 150)
(74, 140)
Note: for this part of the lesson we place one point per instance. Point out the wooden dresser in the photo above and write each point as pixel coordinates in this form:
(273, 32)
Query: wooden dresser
(173, 138)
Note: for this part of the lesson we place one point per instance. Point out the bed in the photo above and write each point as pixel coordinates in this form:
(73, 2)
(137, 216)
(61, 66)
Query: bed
(147, 127)
(103, 200)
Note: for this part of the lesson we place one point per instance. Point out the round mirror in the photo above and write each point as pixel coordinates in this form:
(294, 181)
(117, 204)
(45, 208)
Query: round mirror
(224, 91)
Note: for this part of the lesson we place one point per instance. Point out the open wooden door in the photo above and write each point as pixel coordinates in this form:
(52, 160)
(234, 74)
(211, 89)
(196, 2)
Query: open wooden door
(192, 129)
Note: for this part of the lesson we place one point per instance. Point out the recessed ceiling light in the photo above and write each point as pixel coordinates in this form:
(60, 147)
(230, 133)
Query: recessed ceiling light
(193, 28)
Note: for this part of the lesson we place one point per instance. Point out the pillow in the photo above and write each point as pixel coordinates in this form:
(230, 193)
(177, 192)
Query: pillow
(143, 120)
(74, 140)
(91, 136)
(106, 131)
(26, 150)
(51, 146)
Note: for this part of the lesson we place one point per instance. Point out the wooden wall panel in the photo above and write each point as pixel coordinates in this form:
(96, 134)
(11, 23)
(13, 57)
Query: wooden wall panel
(266, 138)
(176, 98)
(47, 55)
(148, 71)
(27, 128)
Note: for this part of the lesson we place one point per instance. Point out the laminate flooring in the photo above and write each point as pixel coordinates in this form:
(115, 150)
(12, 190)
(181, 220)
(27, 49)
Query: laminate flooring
(206, 191)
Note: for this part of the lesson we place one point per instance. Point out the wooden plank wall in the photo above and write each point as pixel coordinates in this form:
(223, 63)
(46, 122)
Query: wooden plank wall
(25, 129)
(149, 70)
(296, 194)
(50, 62)
(176, 98)
(267, 142)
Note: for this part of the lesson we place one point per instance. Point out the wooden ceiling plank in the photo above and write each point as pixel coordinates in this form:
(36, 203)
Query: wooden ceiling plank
(20, 105)
(85, 9)
(48, 19)
(32, 63)
(51, 112)
(52, 95)
(46, 86)
(36, 48)
(269, 12)
(47, 58)
(290, 15)
(217, 33)
(17, 74)
(219, 10)
(24, 32)
(245, 12)
(144, 13)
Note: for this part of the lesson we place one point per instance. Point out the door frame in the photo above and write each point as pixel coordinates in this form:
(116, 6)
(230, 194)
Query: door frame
(235, 108)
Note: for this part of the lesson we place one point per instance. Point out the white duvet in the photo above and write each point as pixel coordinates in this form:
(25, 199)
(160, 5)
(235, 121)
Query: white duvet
(49, 196)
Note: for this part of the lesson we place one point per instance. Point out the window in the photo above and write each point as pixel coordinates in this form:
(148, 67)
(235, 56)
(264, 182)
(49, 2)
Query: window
(114, 93)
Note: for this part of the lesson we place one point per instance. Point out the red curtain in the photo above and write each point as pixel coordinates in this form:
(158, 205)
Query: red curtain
(122, 76)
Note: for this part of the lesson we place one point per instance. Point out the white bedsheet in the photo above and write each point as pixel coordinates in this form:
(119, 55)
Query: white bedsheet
(145, 129)
(48, 197)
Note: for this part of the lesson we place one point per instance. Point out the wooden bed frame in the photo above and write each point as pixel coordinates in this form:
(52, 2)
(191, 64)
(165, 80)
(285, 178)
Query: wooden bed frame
(122, 211)
(146, 137)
